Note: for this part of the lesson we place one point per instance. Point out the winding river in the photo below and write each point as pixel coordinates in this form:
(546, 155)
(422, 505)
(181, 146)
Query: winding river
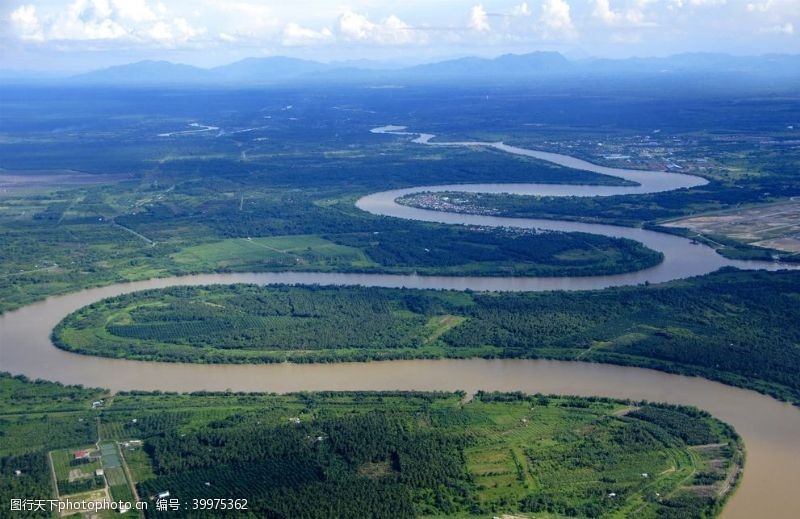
(771, 429)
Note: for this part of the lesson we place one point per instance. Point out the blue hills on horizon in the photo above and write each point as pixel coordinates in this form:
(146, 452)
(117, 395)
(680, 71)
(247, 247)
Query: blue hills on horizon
(277, 69)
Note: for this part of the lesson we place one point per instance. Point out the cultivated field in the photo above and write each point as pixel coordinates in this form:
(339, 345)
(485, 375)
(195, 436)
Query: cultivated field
(774, 226)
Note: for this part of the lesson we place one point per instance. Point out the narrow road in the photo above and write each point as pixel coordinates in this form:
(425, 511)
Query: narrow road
(128, 229)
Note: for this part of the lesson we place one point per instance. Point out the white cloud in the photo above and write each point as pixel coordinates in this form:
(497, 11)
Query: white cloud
(294, 34)
(555, 21)
(479, 19)
(247, 20)
(355, 26)
(521, 10)
(396, 31)
(91, 20)
(183, 31)
(134, 10)
(243, 22)
(484, 26)
(633, 15)
(696, 3)
(783, 28)
(759, 7)
(774, 16)
(86, 20)
(26, 23)
(159, 31)
(391, 31)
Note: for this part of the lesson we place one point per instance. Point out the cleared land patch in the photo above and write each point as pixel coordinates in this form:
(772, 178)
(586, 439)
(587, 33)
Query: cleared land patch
(772, 226)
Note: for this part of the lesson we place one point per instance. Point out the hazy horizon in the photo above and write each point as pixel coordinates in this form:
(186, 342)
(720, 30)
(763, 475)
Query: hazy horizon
(71, 36)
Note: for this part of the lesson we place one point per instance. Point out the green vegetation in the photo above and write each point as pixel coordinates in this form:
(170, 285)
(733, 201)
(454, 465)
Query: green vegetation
(246, 323)
(370, 454)
(639, 211)
(191, 203)
(280, 196)
(432, 250)
(64, 240)
(194, 198)
(277, 251)
(36, 417)
(746, 160)
(74, 475)
(730, 326)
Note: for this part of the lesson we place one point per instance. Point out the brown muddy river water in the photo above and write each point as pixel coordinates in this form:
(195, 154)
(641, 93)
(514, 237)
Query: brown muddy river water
(771, 429)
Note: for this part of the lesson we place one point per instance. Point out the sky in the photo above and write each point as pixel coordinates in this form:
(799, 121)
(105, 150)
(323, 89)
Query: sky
(78, 35)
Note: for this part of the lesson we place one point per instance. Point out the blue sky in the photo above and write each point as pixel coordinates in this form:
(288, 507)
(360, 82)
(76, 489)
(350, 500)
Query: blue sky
(73, 35)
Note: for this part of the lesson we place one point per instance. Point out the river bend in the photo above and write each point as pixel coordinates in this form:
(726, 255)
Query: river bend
(770, 429)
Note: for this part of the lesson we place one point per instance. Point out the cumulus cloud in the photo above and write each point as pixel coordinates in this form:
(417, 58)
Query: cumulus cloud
(294, 34)
(246, 20)
(353, 26)
(633, 15)
(479, 19)
(555, 21)
(507, 24)
(521, 10)
(87, 20)
(26, 23)
(135, 10)
(90, 20)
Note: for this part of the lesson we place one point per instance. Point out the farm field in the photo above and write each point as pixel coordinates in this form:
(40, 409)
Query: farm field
(425, 454)
(772, 226)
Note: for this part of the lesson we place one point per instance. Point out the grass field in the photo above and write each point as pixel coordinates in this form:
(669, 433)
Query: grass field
(278, 251)
(68, 471)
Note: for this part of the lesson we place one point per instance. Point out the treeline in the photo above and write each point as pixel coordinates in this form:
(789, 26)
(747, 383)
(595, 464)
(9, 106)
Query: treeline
(684, 423)
(521, 253)
(730, 326)
(777, 180)
(243, 322)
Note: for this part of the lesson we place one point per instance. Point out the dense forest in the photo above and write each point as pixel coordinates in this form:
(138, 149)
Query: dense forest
(441, 250)
(387, 454)
(730, 326)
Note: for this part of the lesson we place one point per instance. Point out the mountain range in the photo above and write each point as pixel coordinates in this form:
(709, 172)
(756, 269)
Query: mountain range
(536, 65)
